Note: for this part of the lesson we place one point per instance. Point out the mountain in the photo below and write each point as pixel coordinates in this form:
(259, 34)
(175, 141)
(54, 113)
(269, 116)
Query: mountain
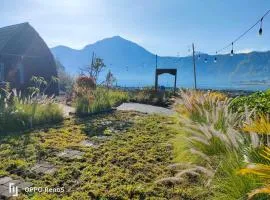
(134, 66)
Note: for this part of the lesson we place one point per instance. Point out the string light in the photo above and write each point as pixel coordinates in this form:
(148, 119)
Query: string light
(260, 31)
(244, 33)
(232, 50)
(238, 38)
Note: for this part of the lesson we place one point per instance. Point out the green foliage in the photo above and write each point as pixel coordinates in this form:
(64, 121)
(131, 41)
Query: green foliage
(228, 184)
(123, 166)
(150, 96)
(212, 134)
(99, 100)
(40, 85)
(19, 113)
(260, 101)
(93, 70)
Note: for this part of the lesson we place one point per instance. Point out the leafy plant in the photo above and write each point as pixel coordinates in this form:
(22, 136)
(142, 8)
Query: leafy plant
(260, 101)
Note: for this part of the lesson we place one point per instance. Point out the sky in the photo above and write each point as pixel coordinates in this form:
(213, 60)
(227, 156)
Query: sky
(166, 28)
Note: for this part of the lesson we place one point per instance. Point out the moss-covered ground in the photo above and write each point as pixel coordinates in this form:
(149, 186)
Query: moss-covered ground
(131, 152)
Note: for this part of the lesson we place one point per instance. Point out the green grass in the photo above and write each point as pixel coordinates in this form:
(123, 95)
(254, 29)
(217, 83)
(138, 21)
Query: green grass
(180, 149)
(228, 184)
(124, 166)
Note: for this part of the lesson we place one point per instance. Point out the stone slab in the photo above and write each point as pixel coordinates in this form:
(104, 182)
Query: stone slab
(4, 180)
(44, 167)
(4, 186)
(87, 143)
(71, 154)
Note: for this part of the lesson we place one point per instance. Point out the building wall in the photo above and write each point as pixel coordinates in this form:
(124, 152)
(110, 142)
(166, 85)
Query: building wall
(36, 59)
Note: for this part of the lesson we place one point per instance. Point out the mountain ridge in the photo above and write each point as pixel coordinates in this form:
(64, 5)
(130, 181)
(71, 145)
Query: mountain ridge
(132, 64)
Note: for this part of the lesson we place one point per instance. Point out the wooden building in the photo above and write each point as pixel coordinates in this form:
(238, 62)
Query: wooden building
(23, 54)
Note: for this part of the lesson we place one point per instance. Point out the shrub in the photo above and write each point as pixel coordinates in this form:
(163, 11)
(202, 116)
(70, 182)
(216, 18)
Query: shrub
(21, 113)
(99, 99)
(151, 96)
(85, 82)
(213, 135)
(260, 101)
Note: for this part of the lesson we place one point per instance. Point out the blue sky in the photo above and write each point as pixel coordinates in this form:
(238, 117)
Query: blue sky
(162, 27)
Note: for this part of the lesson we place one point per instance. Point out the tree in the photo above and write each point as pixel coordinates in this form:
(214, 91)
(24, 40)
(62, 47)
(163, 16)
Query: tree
(40, 85)
(110, 79)
(96, 66)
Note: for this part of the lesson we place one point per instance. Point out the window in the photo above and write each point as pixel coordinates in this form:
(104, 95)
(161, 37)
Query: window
(2, 72)
(21, 73)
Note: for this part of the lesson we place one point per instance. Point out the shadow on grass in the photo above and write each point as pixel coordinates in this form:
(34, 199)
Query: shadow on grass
(106, 124)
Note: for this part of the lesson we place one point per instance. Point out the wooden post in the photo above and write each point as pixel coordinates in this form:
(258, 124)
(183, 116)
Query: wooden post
(175, 76)
(194, 68)
(156, 76)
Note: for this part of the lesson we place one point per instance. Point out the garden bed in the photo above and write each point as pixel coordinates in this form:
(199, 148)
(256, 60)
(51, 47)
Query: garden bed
(131, 153)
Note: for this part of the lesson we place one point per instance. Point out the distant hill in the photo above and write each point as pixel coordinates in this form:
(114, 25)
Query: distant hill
(133, 65)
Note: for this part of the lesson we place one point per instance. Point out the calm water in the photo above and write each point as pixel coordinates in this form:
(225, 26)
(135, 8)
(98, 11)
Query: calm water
(213, 87)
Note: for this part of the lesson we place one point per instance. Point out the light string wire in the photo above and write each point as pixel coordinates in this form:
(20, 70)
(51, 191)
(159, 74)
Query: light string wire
(243, 34)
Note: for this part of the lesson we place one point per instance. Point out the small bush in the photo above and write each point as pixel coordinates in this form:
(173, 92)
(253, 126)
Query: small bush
(151, 96)
(99, 99)
(260, 101)
(21, 113)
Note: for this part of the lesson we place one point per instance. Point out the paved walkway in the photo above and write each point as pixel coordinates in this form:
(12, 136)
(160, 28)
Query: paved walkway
(67, 110)
(144, 108)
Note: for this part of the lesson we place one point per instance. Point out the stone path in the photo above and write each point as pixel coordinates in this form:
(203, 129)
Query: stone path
(88, 143)
(5, 183)
(67, 110)
(71, 154)
(144, 108)
(43, 167)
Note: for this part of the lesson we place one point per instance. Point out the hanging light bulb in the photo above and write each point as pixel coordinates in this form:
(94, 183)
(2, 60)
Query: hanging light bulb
(260, 31)
(232, 50)
(215, 59)
(205, 60)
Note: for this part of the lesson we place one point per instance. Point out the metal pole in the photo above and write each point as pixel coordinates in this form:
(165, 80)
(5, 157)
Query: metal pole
(194, 68)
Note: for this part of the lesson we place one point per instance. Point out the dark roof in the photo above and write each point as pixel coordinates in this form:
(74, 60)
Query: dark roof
(8, 32)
